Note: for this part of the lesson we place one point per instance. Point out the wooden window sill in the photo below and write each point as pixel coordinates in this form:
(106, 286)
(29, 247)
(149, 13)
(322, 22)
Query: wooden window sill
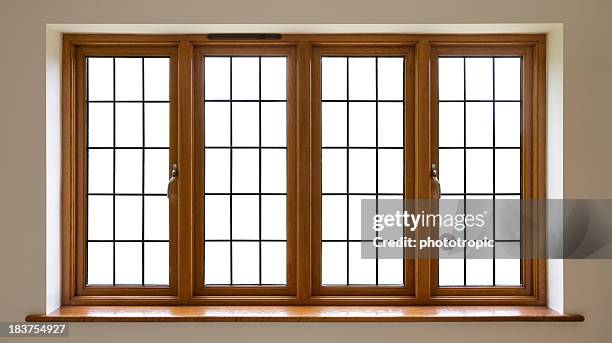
(304, 314)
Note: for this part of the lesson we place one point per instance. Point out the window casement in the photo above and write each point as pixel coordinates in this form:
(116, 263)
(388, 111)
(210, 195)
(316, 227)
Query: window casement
(205, 171)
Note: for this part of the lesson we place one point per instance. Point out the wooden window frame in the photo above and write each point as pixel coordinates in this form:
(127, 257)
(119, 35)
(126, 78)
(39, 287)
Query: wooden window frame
(360, 294)
(186, 50)
(212, 293)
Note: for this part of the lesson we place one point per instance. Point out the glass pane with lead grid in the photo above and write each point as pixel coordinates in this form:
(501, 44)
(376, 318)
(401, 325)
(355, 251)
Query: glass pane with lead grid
(480, 101)
(245, 173)
(362, 111)
(128, 144)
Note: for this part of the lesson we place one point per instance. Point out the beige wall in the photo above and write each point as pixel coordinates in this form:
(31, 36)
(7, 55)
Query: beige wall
(587, 167)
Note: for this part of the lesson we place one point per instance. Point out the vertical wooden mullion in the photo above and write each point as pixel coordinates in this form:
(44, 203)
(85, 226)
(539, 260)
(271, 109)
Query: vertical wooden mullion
(184, 196)
(315, 173)
(410, 153)
(303, 275)
(423, 161)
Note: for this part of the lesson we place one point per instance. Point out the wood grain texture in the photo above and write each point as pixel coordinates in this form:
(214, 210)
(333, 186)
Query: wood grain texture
(304, 314)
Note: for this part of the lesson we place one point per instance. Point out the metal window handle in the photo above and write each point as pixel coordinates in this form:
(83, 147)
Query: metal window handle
(434, 176)
(172, 180)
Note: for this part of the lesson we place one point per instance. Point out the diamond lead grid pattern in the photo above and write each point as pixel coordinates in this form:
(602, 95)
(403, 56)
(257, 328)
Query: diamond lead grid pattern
(245, 177)
(128, 129)
(362, 158)
(480, 119)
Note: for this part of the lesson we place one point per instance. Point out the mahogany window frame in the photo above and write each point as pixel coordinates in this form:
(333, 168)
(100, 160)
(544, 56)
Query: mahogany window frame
(304, 204)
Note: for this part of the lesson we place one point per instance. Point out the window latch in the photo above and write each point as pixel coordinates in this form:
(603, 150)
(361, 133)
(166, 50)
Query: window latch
(172, 180)
(434, 176)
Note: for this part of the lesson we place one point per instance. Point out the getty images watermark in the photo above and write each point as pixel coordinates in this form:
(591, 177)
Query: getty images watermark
(390, 226)
(413, 221)
(500, 228)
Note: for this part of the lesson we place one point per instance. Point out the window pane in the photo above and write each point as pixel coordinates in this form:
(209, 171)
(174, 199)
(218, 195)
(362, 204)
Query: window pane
(217, 124)
(391, 171)
(362, 124)
(128, 79)
(100, 78)
(245, 263)
(217, 216)
(361, 271)
(334, 78)
(479, 171)
(100, 217)
(450, 78)
(390, 271)
(245, 78)
(507, 263)
(132, 126)
(128, 130)
(99, 263)
(157, 79)
(273, 78)
(273, 263)
(334, 263)
(245, 124)
(245, 176)
(334, 217)
(128, 218)
(274, 124)
(156, 171)
(100, 125)
(217, 263)
(508, 124)
(245, 217)
(390, 78)
(156, 220)
(450, 122)
(479, 271)
(128, 263)
(508, 171)
(508, 78)
(128, 171)
(217, 78)
(157, 263)
(273, 170)
(451, 170)
(479, 78)
(246, 171)
(217, 170)
(355, 204)
(390, 124)
(334, 170)
(492, 153)
(362, 139)
(479, 124)
(450, 272)
(334, 125)
(362, 171)
(362, 78)
(100, 171)
(274, 217)
(507, 217)
(157, 125)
